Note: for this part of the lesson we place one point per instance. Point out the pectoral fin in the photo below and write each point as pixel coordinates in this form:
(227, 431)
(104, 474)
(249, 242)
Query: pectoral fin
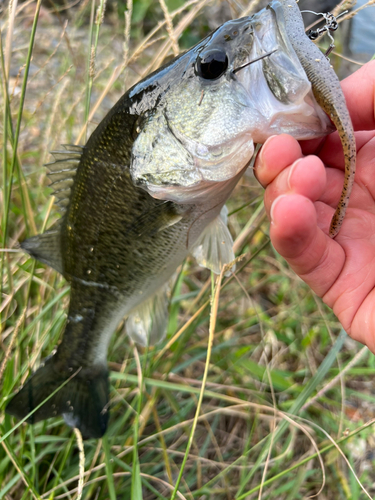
(214, 247)
(157, 218)
(147, 324)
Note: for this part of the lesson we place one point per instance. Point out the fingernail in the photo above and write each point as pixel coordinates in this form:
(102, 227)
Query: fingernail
(260, 161)
(273, 206)
(292, 170)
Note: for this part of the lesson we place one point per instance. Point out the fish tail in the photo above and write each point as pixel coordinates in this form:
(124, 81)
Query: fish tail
(82, 400)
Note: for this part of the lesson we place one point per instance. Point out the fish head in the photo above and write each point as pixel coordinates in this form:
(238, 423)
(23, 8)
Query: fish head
(202, 113)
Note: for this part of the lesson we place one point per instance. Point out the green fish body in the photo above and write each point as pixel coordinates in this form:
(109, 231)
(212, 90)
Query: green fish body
(148, 188)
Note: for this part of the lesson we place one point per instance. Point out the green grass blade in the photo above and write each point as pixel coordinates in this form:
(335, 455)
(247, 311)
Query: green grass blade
(136, 480)
(108, 468)
(24, 475)
(214, 309)
(297, 405)
(19, 119)
(323, 450)
(320, 374)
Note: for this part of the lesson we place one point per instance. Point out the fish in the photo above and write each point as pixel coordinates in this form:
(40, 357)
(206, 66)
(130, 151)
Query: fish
(150, 187)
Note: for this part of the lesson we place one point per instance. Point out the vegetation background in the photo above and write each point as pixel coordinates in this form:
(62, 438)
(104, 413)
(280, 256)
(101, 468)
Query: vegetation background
(255, 393)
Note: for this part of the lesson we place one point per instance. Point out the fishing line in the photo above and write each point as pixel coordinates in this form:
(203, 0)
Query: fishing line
(331, 25)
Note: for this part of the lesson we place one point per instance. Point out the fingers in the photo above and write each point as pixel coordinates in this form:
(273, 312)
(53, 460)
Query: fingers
(359, 90)
(282, 169)
(311, 253)
(293, 183)
(306, 176)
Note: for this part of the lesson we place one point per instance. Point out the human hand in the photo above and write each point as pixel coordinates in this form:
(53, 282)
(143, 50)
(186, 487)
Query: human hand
(303, 185)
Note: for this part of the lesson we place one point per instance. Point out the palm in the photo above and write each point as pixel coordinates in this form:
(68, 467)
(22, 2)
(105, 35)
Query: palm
(307, 189)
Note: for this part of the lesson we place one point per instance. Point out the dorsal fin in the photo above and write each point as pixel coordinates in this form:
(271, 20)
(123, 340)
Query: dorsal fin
(73, 148)
(62, 172)
(46, 247)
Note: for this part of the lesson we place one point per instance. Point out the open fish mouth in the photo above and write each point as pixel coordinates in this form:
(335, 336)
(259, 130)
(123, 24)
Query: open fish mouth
(278, 92)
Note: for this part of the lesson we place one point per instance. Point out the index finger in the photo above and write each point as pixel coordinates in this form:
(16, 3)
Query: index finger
(359, 90)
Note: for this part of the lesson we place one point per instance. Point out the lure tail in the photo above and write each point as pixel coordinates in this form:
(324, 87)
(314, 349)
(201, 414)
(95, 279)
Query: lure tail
(328, 93)
(82, 401)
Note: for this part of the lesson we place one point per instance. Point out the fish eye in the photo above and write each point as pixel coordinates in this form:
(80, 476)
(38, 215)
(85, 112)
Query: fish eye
(211, 64)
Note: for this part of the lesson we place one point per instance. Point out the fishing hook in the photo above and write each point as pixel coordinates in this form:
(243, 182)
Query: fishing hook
(254, 60)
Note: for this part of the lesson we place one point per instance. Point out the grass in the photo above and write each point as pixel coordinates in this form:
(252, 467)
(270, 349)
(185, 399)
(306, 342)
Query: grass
(255, 393)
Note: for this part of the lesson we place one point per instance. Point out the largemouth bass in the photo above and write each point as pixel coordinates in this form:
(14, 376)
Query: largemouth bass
(150, 186)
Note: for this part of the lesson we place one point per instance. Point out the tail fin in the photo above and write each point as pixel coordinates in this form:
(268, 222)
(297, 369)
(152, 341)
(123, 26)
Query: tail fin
(82, 401)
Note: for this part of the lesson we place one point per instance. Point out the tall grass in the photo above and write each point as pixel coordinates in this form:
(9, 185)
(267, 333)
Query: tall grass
(255, 393)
